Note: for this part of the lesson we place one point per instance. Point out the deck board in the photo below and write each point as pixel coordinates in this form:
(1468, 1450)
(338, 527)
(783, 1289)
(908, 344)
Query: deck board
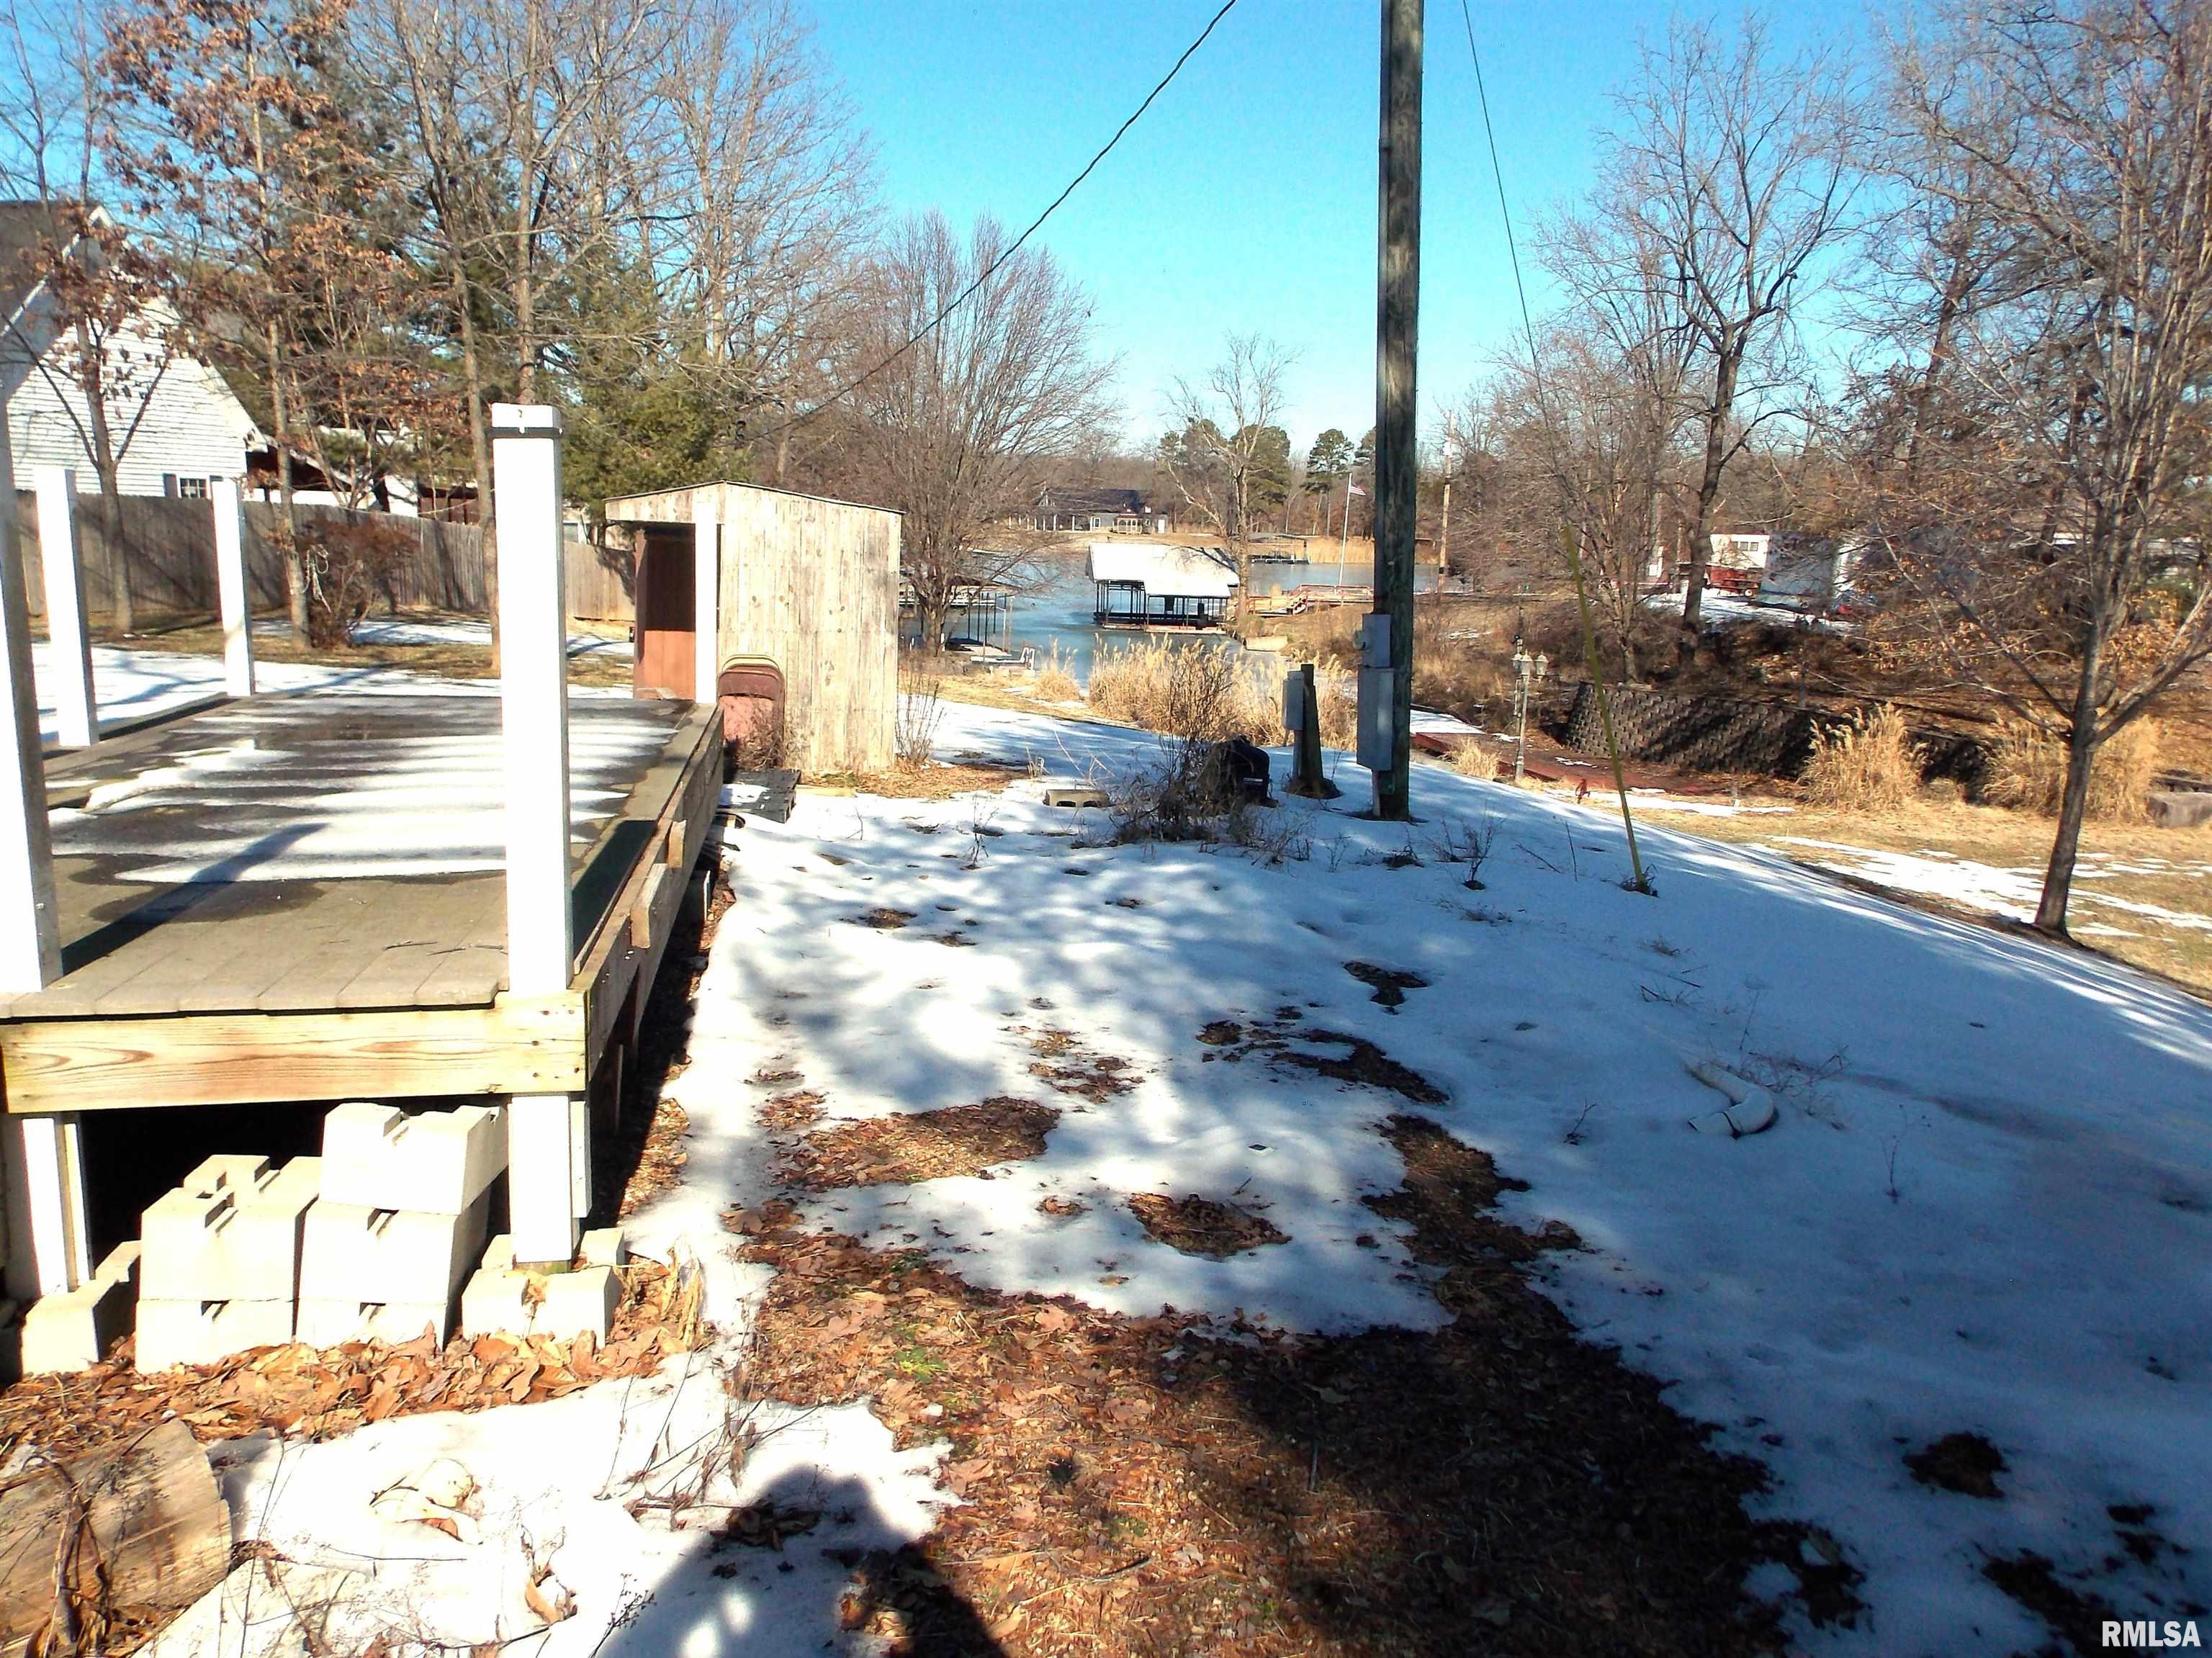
(324, 851)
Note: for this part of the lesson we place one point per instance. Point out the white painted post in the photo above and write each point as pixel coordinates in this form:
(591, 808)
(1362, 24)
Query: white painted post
(46, 1190)
(30, 936)
(77, 707)
(549, 1173)
(706, 609)
(237, 609)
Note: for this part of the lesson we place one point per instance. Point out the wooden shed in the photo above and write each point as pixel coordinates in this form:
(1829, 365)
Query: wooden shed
(804, 594)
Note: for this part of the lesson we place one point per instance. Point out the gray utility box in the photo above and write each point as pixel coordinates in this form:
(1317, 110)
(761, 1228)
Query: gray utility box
(1377, 682)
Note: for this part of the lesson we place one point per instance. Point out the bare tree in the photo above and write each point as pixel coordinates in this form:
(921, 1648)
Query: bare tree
(1581, 438)
(1730, 175)
(774, 186)
(2042, 494)
(1000, 374)
(102, 336)
(540, 136)
(1229, 446)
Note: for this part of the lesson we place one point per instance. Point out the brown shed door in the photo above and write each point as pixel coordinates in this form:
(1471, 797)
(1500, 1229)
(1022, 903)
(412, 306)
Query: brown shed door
(666, 619)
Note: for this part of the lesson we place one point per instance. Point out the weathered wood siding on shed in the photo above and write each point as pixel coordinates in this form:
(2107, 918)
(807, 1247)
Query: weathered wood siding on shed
(812, 586)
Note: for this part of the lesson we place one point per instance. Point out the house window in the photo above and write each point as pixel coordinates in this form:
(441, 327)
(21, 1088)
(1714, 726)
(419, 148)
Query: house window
(193, 488)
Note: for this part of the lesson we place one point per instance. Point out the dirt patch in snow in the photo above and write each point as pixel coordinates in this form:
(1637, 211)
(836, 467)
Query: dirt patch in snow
(1287, 1041)
(1965, 1463)
(1063, 1061)
(1388, 984)
(1201, 1226)
(2077, 1617)
(958, 1139)
(884, 919)
(1362, 1062)
(1173, 1484)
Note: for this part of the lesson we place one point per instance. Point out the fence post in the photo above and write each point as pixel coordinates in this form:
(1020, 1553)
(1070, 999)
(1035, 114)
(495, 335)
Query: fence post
(46, 1190)
(77, 706)
(549, 1147)
(232, 598)
(706, 607)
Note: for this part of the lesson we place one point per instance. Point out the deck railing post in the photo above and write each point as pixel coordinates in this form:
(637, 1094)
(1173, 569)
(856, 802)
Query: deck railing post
(706, 608)
(236, 608)
(76, 706)
(47, 1250)
(549, 1175)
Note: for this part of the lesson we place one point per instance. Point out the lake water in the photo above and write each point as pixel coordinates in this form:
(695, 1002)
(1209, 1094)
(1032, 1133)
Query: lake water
(1058, 613)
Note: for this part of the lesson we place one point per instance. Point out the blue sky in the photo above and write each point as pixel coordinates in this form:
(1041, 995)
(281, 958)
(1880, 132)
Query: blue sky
(1245, 198)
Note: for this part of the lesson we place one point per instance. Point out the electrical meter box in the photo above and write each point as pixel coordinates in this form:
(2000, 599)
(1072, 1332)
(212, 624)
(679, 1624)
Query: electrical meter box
(1375, 724)
(1375, 639)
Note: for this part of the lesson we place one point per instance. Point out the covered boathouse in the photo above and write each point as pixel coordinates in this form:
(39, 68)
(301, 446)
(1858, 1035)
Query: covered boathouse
(1143, 585)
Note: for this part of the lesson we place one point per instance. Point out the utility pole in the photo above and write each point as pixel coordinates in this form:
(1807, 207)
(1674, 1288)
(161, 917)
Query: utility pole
(1397, 316)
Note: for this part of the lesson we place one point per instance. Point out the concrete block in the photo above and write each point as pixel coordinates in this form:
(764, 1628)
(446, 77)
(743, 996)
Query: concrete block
(226, 1171)
(73, 1332)
(576, 1302)
(607, 1247)
(236, 1239)
(201, 1332)
(431, 1162)
(325, 1323)
(355, 1253)
(496, 1302)
(501, 1300)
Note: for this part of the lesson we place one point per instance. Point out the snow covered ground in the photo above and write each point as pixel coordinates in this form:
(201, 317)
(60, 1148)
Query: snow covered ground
(1986, 1205)
(2009, 892)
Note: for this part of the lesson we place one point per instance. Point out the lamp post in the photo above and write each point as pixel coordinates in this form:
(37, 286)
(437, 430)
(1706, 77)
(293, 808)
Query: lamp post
(1527, 671)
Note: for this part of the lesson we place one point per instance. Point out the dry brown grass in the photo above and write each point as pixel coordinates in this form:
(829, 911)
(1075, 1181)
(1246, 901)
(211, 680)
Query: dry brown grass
(2027, 771)
(1188, 689)
(1473, 759)
(1868, 765)
(1055, 682)
(929, 783)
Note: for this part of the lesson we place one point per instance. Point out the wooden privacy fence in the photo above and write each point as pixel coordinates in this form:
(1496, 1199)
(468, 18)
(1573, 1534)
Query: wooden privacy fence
(169, 546)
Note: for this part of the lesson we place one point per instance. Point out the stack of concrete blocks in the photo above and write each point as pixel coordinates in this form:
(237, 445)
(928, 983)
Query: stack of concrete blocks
(401, 1219)
(73, 1331)
(219, 1260)
(507, 1298)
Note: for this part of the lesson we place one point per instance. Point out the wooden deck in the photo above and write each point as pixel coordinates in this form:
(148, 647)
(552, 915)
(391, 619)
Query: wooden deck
(302, 898)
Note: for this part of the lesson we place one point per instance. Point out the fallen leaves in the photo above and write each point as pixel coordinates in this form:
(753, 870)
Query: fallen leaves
(1202, 1226)
(955, 1140)
(1133, 1486)
(308, 1393)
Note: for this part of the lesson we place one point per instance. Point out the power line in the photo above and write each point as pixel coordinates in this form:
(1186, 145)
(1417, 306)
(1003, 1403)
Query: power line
(991, 269)
(1505, 213)
(1567, 541)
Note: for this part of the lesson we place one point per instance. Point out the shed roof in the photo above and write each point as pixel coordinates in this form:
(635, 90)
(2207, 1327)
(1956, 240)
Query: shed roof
(1179, 572)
